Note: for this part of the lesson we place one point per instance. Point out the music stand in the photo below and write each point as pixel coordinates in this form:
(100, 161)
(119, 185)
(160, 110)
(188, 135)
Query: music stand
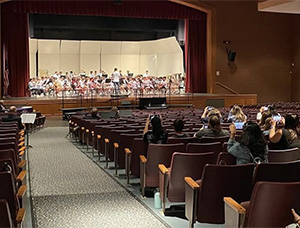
(28, 118)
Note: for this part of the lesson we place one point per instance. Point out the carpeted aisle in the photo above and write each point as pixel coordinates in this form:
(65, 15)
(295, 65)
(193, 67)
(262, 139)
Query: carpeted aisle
(70, 190)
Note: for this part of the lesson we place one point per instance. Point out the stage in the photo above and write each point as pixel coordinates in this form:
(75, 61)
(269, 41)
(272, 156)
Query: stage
(54, 105)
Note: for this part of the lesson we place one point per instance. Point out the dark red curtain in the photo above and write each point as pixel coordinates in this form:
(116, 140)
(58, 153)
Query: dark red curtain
(15, 32)
(195, 56)
(15, 38)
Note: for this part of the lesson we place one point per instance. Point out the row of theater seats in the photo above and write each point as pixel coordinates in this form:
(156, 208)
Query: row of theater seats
(12, 175)
(166, 166)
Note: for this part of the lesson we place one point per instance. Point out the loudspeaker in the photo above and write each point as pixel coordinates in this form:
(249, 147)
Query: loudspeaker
(231, 56)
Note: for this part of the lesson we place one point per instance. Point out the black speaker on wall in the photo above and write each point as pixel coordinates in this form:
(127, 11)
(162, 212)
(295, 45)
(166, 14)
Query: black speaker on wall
(231, 56)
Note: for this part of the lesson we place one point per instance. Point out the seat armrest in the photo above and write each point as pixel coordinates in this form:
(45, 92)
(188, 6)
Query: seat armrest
(128, 155)
(21, 175)
(234, 213)
(21, 215)
(22, 163)
(21, 153)
(116, 157)
(163, 184)
(143, 163)
(191, 199)
(21, 191)
(21, 144)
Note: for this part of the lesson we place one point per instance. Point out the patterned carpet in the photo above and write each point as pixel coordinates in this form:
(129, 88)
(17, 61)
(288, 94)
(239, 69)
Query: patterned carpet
(70, 190)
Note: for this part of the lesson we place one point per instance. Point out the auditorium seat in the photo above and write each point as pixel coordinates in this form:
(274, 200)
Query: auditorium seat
(139, 147)
(5, 220)
(225, 158)
(204, 200)
(277, 172)
(184, 140)
(270, 206)
(171, 180)
(284, 155)
(204, 147)
(221, 139)
(9, 193)
(156, 154)
(125, 141)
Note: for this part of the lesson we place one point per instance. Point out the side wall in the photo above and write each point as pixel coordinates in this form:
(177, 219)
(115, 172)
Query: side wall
(296, 59)
(263, 45)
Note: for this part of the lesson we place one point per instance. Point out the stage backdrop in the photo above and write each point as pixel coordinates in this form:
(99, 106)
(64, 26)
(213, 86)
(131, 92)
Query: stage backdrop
(160, 57)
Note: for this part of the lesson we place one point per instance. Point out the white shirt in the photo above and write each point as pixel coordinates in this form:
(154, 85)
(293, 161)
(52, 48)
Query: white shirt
(116, 76)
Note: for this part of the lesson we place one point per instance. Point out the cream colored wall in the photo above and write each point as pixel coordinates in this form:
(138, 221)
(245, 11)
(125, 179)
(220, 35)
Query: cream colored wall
(159, 57)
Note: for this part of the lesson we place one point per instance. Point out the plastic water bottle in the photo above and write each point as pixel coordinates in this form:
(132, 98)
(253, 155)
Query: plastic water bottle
(157, 201)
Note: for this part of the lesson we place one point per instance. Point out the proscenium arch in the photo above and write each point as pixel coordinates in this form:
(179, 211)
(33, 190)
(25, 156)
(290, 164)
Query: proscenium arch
(210, 34)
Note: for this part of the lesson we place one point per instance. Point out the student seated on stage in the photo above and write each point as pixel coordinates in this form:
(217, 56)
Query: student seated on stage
(213, 129)
(93, 114)
(13, 117)
(157, 135)
(178, 126)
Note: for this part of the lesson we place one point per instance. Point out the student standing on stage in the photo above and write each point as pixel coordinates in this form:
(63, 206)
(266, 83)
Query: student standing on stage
(116, 81)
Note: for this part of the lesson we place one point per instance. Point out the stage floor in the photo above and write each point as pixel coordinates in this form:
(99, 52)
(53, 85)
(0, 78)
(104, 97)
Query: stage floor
(53, 105)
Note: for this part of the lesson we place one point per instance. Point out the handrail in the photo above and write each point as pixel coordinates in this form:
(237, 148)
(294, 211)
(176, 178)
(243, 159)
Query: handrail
(226, 87)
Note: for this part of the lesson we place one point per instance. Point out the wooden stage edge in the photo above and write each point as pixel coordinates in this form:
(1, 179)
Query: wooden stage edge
(52, 106)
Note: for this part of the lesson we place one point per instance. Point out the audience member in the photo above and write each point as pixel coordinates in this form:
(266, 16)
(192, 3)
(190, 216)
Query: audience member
(209, 111)
(213, 129)
(178, 127)
(2, 107)
(157, 135)
(266, 127)
(92, 115)
(116, 111)
(260, 113)
(252, 147)
(236, 114)
(287, 136)
(13, 117)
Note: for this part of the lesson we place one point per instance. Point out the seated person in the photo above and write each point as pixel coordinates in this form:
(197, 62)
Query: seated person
(236, 114)
(2, 107)
(260, 113)
(266, 127)
(93, 114)
(13, 117)
(252, 147)
(157, 135)
(285, 134)
(117, 112)
(214, 128)
(178, 126)
(208, 111)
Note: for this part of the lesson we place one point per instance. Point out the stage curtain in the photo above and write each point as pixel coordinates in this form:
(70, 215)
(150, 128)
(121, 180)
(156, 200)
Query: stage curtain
(195, 56)
(163, 9)
(15, 38)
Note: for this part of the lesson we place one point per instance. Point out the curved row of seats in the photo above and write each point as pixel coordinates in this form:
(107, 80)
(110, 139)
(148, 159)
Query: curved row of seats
(12, 175)
(120, 140)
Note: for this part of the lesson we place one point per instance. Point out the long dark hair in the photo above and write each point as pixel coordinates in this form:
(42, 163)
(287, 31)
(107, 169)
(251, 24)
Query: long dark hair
(253, 139)
(156, 127)
(292, 122)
